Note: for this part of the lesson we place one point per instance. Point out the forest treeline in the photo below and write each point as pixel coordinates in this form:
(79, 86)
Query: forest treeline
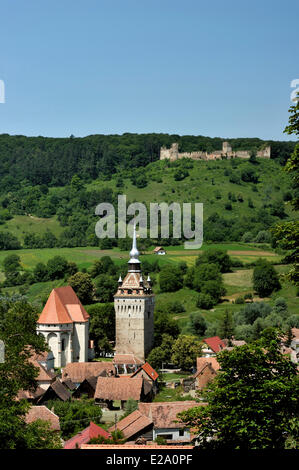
(54, 161)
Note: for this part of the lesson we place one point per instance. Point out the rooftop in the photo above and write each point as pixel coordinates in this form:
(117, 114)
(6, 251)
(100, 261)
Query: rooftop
(79, 371)
(83, 437)
(43, 413)
(63, 306)
(132, 424)
(119, 388)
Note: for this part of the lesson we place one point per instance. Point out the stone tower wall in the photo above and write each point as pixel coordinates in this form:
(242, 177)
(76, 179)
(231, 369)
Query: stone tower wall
(134, 319)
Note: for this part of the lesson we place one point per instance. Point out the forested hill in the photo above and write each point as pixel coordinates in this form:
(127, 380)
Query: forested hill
(53, 161)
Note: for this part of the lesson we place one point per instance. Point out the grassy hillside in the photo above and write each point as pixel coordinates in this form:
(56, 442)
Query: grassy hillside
(208, 182)
(240, 205)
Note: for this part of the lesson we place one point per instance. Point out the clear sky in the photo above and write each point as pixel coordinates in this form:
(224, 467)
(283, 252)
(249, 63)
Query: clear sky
(214, 68)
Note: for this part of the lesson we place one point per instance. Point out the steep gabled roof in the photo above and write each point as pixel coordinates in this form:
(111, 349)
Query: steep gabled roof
(148, 370)
(202, 361)
(44, 375)
(43, 413)
(215, 343)
(63, 306)
(60, 390)
(132, 424)
(83, 437)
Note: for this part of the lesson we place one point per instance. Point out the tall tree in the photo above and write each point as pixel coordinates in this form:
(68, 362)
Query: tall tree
(253, 402)
(18, 331)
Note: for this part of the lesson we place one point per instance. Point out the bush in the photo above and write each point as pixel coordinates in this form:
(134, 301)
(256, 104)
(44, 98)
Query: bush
(204, 301)
(170, 279)
(265, 279)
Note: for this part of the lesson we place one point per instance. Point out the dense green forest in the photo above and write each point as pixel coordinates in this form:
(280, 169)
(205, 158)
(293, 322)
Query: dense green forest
(56, 183)
(54, 161)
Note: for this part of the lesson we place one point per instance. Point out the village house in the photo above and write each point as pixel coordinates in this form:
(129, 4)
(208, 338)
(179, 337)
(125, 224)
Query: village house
(148, 373)
(134, 426)
(83, 437)
(157, 419)
(123, 388)
(32, 396)
(207, 368)
(87, 387)
(77, 372)
(212, 346)
(56, 391)
(43, 413)
(126, 363)
(159, 250)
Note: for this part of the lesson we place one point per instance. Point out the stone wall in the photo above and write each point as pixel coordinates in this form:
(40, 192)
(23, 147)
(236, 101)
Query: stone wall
(173, 154)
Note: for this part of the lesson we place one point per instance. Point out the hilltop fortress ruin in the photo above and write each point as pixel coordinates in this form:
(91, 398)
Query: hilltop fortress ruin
(226, 152)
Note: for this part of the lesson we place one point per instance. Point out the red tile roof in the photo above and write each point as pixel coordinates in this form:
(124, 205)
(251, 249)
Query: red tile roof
(43, 374)
(164, 414)
(43, 413)
(148, 370)
(215, 343)
(83, 437)
(119, 388)
(132, 424)
(79, 371)
(63, 306)
(127, 359)
(202, 361)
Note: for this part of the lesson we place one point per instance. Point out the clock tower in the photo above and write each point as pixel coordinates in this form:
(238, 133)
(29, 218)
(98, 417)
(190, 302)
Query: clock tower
(134, 304)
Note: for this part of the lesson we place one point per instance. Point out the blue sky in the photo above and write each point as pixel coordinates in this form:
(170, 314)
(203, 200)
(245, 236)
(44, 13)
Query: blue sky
(218, 68)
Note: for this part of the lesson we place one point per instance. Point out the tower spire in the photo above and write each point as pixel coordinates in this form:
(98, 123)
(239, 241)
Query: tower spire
(134, 263)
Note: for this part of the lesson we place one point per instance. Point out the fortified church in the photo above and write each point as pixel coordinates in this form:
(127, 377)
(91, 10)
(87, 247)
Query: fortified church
(65, 323)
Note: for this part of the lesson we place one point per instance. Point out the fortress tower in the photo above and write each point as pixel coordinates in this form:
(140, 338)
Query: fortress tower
(134, 304)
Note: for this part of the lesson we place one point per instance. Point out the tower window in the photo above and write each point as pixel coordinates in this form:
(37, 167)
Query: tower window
(63, 344)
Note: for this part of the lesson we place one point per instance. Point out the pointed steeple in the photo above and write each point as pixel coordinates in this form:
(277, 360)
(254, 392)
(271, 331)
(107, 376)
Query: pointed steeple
(134, 263)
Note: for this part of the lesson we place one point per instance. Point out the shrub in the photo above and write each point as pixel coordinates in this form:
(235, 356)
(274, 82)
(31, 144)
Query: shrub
(204, 301)
(265, 279)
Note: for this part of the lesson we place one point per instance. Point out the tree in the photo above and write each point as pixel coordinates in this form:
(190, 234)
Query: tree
(41, 273)
(205, 272)
(226, 327)
(215, 256)
(215, 289)
(83, 286)
(57, 267)
(185, 350)
(18, 331)
(102, 326)
(204, 301)
(76, 415)
(265, 278)
(164, 324)
(197, 324)
(170, 279)
(161, 354)
(286, 235)
(11, 263)
(105, 288)
(253, 403)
